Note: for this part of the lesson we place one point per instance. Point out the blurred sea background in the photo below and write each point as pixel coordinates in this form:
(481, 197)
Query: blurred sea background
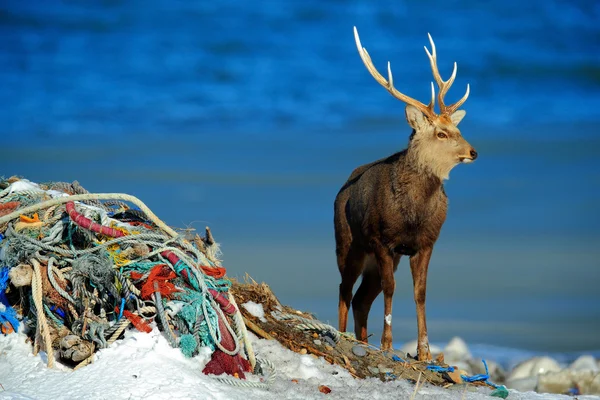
(248, 117)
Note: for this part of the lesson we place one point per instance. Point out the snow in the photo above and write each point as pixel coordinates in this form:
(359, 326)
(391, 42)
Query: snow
(144, 366)
(255, 309)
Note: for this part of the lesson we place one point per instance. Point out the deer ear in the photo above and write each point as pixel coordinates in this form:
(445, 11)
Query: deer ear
(416, 119)
(458, 116)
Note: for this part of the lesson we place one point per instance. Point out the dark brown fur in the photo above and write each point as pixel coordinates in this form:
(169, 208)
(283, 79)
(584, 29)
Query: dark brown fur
(386, 209)
(397, 206)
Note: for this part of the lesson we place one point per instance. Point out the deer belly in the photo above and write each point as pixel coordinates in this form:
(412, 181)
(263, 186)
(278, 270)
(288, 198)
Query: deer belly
(407, 249)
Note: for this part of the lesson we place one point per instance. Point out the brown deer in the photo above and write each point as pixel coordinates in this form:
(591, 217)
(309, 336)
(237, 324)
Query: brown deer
(396, 206)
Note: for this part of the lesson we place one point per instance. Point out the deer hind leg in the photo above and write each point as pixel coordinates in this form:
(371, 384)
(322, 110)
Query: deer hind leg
(350, 265)
(419, 263)
(387, 262)
(367, 292)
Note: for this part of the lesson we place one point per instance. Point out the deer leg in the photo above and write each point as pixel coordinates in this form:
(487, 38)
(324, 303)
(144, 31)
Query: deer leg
(385, 261)
(419, 264)
(369, 289)
(350, 268)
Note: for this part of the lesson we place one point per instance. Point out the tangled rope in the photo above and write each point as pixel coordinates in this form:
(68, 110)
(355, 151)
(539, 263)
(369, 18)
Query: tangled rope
(95, 266)
(309, 324)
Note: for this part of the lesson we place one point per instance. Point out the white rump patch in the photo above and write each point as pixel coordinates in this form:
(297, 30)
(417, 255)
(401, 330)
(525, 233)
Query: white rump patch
(388, 319)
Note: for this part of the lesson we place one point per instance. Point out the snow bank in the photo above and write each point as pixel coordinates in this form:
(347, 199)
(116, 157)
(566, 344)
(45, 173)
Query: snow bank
(144, 366)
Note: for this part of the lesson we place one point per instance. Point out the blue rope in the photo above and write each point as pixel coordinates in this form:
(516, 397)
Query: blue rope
(481, 377)
(9, 315)
(437, 368)
(58, 311)
(3, 285)
(470, 379)
(122, 308)
(396, 358)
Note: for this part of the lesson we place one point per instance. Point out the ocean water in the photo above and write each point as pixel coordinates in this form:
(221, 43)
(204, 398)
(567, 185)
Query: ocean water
(249, 117)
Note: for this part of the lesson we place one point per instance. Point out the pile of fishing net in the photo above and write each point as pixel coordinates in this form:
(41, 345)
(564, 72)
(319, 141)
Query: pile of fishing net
(77, 269)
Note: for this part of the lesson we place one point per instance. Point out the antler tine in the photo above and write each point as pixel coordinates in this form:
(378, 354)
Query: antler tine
(389, 84)
(452, 108)
(444, 86)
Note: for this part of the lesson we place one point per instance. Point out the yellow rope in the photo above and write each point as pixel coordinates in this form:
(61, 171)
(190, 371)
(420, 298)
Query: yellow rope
(42, 325)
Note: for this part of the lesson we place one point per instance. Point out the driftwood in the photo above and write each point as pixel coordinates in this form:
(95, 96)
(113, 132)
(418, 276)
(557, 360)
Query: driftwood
(374, 362)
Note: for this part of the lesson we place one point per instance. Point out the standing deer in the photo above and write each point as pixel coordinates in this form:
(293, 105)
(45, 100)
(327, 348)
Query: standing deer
(396, 206)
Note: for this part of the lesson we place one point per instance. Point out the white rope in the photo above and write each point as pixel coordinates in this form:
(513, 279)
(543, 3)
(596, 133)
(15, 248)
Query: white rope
(308, 324)
(42, 325)
(55, 284)
(266, 384)
(241, 328)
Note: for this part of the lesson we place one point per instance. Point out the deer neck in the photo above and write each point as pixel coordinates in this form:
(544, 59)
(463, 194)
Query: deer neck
(422, 160)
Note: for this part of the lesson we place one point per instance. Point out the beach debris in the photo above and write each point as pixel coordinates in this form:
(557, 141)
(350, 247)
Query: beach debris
(324, 389)
(501, 392)
(80, 268)
(361, 360)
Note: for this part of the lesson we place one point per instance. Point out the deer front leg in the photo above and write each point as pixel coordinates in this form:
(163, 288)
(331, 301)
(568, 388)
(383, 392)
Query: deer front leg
(419, 263)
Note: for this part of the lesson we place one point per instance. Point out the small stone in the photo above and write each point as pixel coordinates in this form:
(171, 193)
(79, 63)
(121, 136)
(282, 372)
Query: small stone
(324, 389)
(315, 335)
(317, 342)
(73, 348)
(329, 340)
(303, 351)
(328, 348)
(359, 350)
(384, 370)
(584, 363)
(455, 376)
(373, 370)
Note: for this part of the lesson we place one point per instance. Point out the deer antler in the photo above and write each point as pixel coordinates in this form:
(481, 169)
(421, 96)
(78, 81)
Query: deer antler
(444, 85)
(389, 83)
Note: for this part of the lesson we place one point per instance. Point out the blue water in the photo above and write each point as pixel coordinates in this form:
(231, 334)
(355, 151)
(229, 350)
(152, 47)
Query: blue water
(248, 117)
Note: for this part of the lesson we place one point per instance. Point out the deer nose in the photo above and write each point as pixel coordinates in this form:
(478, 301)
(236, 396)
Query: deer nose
(473, 154)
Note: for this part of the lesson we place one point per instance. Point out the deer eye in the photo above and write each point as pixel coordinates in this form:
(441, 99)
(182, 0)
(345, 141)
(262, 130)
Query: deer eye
(442, 135)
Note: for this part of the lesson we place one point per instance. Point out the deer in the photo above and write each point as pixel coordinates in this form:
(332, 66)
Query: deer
(396, 206)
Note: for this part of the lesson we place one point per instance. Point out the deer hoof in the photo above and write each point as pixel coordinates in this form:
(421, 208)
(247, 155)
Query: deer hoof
(424, 355)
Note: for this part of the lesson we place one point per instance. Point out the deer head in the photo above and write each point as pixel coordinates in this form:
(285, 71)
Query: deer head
(436, 143)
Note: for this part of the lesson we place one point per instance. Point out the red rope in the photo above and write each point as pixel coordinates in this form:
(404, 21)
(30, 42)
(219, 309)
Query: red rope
(87, 223)
(138, 322)
(215, 272)
(160, 274)
(225, 304)
(8, 207)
